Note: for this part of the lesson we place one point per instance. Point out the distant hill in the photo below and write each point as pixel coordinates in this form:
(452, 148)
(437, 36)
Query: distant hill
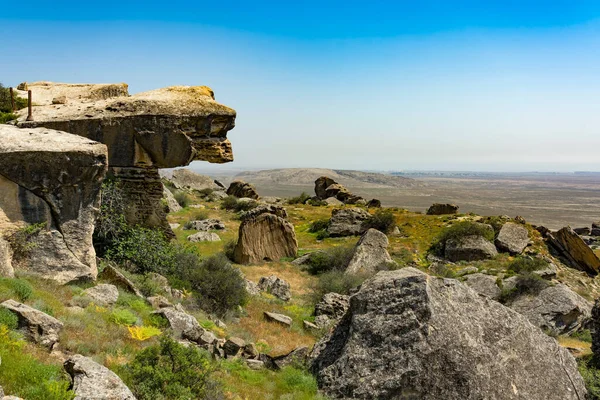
(307, 177)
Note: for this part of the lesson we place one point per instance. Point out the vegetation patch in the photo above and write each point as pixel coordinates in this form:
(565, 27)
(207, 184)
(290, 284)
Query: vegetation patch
(333, 259)
(383, 220)
(458, 231)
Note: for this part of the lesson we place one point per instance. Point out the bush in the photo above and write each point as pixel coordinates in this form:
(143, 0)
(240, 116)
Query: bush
(458, 231)
(122, 316)
(5, 117)
(232, 203)
(217, 285)
(171, 371)
(20, 288)
(182, 198)
(318, 225)
(205, 192)
(526, 284)
(22, 240)
(584, 335)
(333, 259)
(316, 203)
(336, 282)
(229, 249)
(111, 223)
(8, 318)
(522, 265)
(5, 101)
(303, 198)
(588, 368)
(382, 220)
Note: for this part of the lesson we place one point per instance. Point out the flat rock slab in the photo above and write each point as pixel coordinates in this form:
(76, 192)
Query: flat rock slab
(278, 318)
(37, 326)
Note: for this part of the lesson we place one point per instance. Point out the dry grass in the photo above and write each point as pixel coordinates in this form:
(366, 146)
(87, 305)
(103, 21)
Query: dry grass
(300, 281)
(577, 347)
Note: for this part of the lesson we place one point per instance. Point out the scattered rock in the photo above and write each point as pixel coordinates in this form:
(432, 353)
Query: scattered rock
(442, 209)
(574, 250)
(305, 259)
(547, 273)
(252, 288)
(233, 347)
(296, 358)
(484, 284)
(174, 225)
(512, 238)
(321, 185)
(276, 286)
(184, 178)
(200, 336)
(278, 318)
(94, 381)
(264, 236)
(469, 248)
(179, 320)
(37, 326)
(59, 100)
(242, 189)
(438, 339)
(158, 302)
(250, 351)
(374, 203)
(204, 237)
(309, 326)
(6, 268)
(255, 364)
(556, 309)
(104, 294)
(585, 231)
(347, 222)
(467, 270)
(332, 201)
(370, 253)
(114, 276)
(171, 203)
(206, 225)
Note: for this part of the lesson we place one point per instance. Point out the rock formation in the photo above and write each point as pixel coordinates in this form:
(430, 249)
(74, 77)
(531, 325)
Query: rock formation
(204, 237)
(574, 251)
(265, 235)
(326, 188)
(347, 222)
(512, 238)
(241, 189)
(330, 309)
(276, 286)
(104, 294)
(53, 179)
(206, 225)
(172, 205)
(469, 248)
(442, 209)
(370, 253)
(407, 335)
(184, 178)
(163, 128)
(37, 326)
(94, 381)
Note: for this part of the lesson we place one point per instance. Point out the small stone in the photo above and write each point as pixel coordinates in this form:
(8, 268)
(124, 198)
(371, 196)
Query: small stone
(233, 346)
(255, 364)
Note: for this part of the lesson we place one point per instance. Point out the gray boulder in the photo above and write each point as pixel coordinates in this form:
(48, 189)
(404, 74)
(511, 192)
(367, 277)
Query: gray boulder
(276, 286)
(252, 288)
(295, 358)
(92, 381)
(179, 320)
(469, 248)
(483, 284)
(411, 336)
(347, 222)
(204, 237)
(278, 318)
(442, 209)
(104, 294)
(241, 189)
(116, 277)
(172, 204)
(321, 185)
(330, 309)
(206, 225)
(37, 326)
(332, 201)
(595, 229)
(556, 309)
(513, 238)
(370, 253)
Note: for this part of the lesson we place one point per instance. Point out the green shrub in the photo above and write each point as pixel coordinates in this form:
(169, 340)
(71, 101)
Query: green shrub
(333, 259)
(336, 282)
(316, 203)
(232, 203)
(8, 318)
(148, 286)
(382, 220)
(229, 249)
(110, 223)
(20, 288)
(584, 335)
(588, 368)
(217, 285)
(182, 198)
(522, 265)
(303, 198)
(525, 284)
(5, 117)
(458, 231)
(122, 316)
(318, 225)
(5, 101)
(171, 371)
(22, 240)
(205, 192)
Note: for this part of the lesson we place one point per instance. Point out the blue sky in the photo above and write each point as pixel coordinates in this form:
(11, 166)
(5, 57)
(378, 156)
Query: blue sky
(505, 86)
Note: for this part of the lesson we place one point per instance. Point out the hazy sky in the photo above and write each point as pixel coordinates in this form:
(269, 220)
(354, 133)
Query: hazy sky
(388, 85)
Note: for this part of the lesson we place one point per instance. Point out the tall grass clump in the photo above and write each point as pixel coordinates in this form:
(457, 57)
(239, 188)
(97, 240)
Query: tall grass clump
(382, 220)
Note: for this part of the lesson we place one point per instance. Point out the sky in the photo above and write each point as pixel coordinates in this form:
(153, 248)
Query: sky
(378, 85)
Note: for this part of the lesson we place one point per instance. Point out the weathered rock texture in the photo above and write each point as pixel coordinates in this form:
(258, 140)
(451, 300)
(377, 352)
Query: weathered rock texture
(162, 128)
(574, 250)
(171, 203)
(326, 188)
(187, 179)
(276, 286)
(370, 253)
(331, 308)
(512, 238)
(441, 209)
(347, 222)
(104, 294)
(242, 189)
(37, 326)
(94, 381)
(52, 178)
(265, 236)
(484, 284)
(595, 328)
(411, 336)
(469, 248)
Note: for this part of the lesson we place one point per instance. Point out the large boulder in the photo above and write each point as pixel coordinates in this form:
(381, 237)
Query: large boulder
(276, 286)
(264, 236)
(37, 326)
(103, 294)
(92, 381)
(347, 222)
(163, 128)
(321, 185)
(469, 248)
(411, 336)
(241, 189)
(179, 320)
(370, 253)
(574, 250)
(184, 178)
(484, 284)
(53, 179)
(442, 209)
(512, 238)
(172, 204)
(331, 308)
(556, 309)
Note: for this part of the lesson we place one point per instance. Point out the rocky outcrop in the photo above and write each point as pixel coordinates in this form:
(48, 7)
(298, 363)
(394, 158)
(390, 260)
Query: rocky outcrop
(556, 309)
(321, 185)
(206, 225)
(204, 237)
(595, 328)
(327, 188)
(116, 277)
(53, 179)
(442, 209)
(163, 128)
(172, 204)
(370, 254)
(104, 294)
(574, 250)
(332, 201)
(409, 335)
(241, 189)
(512, 238)
(184, 178)
(37, 326)
(483, 284)
(265, 236)
(347, 222)
(330, 309)
(374, 203)
(179, 320)
(295, 358)
(276, 286)
(94, 381)
(469, 248)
